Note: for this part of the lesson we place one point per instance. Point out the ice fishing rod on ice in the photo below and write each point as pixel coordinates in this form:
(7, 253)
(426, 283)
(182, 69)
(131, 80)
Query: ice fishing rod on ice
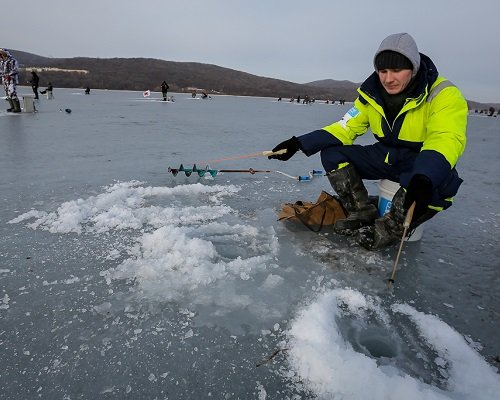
(201, 172)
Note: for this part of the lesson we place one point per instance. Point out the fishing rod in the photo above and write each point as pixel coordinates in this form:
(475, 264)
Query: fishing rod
(213, 172)
(201, 172)
(406, 225)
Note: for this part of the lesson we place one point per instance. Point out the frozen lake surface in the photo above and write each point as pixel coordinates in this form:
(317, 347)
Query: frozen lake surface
(120, 281)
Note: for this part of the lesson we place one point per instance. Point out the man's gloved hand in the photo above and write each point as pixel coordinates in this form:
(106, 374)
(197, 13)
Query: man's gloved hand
(419, 191)
(291, 145)
(7, 78)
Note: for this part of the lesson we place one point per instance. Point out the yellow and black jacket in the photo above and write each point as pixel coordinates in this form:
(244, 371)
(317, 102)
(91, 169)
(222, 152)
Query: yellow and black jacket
(432, 122)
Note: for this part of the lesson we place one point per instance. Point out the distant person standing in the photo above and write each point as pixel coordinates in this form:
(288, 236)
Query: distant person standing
(34, 83)
(10, 78)
(87, 91)
(164, 90)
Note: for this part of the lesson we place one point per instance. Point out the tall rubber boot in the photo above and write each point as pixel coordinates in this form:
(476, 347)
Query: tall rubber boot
(11, 103)
(17, 106)
(389, 228)
(354, 197)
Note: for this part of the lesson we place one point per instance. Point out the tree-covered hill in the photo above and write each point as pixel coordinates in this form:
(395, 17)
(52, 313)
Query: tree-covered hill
(147, 73)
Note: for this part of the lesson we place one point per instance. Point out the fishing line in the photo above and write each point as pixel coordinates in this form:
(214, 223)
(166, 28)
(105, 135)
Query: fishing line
(259, 154)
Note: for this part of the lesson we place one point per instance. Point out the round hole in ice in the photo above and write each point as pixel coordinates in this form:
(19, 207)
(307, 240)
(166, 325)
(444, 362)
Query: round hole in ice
(377, 345)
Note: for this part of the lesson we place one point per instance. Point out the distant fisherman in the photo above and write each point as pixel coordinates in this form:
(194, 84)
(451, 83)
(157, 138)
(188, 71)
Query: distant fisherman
(48, 91)
(10, 72)
(164, 90)
(419, 120)
(34, 83)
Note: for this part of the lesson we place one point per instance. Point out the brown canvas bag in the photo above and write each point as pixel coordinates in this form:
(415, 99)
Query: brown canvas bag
(324, 212)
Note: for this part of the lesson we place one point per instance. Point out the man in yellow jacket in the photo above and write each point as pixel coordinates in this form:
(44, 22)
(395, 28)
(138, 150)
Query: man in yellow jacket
(419, 120)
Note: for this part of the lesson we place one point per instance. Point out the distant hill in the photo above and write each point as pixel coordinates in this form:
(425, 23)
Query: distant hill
(148, 73)
(474, 105)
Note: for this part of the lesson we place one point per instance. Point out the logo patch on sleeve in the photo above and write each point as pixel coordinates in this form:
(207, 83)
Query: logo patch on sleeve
(353, 112)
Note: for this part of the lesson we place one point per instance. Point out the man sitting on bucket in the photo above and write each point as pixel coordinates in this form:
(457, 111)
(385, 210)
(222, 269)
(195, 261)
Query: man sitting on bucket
(419, 120)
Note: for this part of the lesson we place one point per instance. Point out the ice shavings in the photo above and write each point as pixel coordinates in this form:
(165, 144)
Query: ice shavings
(470, 375)
(261, 391)
(122, 206)
(167, 258)
(327, 363)
(172, 262)
(4, 302)
(168, 242)
(272, 281)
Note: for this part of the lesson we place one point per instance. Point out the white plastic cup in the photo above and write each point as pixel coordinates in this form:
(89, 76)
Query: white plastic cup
(387, 190)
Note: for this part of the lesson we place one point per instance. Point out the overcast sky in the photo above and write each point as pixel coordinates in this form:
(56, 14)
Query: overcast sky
(295, 40)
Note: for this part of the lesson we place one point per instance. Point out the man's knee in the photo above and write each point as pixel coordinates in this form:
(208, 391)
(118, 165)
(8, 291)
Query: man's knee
(333, 157)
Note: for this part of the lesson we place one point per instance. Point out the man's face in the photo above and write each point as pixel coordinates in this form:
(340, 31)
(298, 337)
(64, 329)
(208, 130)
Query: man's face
(394, 81)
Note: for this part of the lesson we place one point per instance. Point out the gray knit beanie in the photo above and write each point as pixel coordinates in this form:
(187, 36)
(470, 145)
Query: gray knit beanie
(401, 43)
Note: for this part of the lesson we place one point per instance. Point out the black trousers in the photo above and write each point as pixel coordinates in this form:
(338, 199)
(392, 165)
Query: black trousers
(378, 161)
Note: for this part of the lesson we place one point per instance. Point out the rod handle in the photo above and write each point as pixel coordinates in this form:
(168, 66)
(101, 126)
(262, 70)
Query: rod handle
(409, 215)
(272, 153)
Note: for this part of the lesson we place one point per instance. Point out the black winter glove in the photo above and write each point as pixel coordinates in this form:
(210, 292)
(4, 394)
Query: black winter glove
(291, 146)
(419, 191)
